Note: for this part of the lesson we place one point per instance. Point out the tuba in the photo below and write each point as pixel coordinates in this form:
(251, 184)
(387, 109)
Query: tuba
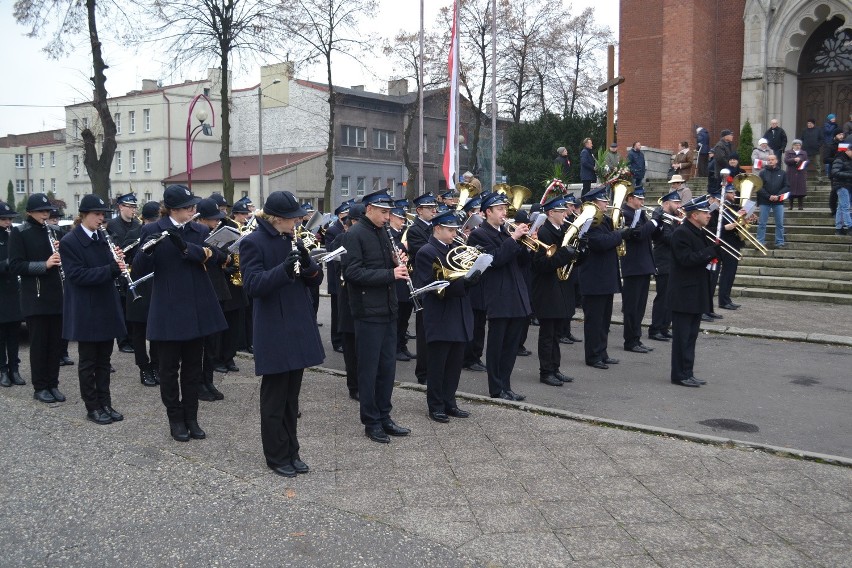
(460, 260)
(466, 191)
(516, 194)
(619, 194)
(572, 234)
(746, 184)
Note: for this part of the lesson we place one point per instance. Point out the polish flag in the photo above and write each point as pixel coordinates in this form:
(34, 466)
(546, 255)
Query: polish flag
(784, 196)
(758, 164)
(453, 65)
(803, 165)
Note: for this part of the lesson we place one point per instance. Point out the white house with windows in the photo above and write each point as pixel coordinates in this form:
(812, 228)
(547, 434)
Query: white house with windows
(34, 163)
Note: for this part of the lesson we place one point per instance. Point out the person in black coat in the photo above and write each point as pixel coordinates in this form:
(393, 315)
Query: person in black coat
(136, 313)
(415, 237)
(561, 163)
(448, 320)
(728, 264)
(403, 296)
(10, 306)
(507, 301)
(702, 144)
(574, 298)
(277, 272)
(332, 283)
(770, 198)
(476, 346)
(636, 163)
(33, 257)
(370, 267)
(637, 266)
(345, 321)
(661, 316)
(184, 309)
(600, 281)
(92, 313)
(688, 289)
(777, 138)
(587, 166)
(551, 297)
(118, 228)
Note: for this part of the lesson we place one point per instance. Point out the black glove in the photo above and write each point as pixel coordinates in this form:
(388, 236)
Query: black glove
(626, 233)
(471, 280)
(290, 263)
(177, 240)
(635, 233)
(657, 215)
(115, 270)
(567, 253)
(304, 254)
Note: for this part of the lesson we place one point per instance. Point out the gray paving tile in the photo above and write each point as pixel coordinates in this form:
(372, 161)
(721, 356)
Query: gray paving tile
(530, 549)
(778, 556)
(585, 543)
(510, 518)
(578, 512)
(657, 537)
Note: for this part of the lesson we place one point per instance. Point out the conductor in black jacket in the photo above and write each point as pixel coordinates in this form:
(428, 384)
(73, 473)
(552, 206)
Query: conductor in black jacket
(661, 316)
(688, 295)
(370, 268)
(416, 236)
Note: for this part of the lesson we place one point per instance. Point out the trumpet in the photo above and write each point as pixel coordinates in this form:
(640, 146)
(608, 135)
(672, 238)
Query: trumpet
(533, 244)
(674, 218)
(572, 234)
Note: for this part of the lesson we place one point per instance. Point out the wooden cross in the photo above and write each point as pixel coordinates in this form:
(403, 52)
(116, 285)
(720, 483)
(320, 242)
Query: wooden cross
(610, 86)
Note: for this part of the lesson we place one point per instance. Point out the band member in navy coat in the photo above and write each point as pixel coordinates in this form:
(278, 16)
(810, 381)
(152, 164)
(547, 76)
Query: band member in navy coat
(661, 316)
(397, 226)
(507, 301)
(184, 309)
(92, 314)
(599, 281)
(637, 266)
(447, 320)
(277, 273)
(476, 346)
(10, 306)
(688, 293)
(416, 236)
(345, 321)
(332, 284)
(136, 316)
(32, 256)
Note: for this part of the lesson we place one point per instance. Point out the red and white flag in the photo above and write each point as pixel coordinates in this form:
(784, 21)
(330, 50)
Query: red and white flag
(453, 67)
(803, 165)
(784, 196)
(758, 164)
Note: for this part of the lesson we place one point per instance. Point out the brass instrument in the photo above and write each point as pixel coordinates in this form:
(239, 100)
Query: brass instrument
(746, 184)
(726, 246)
(741, 226)
(516, 194)
(460, 260)
(533, 244)
(503, 188)
(466, 191)
(572, 234)
(619, 194)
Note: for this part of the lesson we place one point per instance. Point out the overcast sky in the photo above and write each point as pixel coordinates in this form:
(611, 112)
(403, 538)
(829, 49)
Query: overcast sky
(37, 88)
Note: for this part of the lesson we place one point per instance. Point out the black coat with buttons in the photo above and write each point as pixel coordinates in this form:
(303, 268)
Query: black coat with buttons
(10, 292)
(551, 297)
(41, 287)
(639, 260)
(599, 271)
(368, 267)
(689, 287)
(504, 287)
(446, 317)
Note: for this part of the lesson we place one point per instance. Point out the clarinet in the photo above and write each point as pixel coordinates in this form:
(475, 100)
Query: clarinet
(131, 285)
(398, 253)
(54, 246)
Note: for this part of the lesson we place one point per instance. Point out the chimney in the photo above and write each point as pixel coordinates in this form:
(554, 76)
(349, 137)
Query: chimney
(149, 85)
(398, 87)
(357, 87)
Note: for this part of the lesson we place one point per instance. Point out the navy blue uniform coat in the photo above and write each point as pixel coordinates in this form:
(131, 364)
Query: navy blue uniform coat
(639, 260)
(333, 268)
(92, 307)
(10, 294)
(689, 286)
(285, 335)
(183, 303)
(587, 165)
(663, 246)
(505, 291)
(599, 271)
(368, 269)
(551, 297)
(41, 287)
(449, 318)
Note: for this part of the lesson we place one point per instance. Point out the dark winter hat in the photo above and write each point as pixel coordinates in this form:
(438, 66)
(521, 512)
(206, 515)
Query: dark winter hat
(343, 207)
(208, 209)
(283, 204)
(151, 210)
(38, 202)
(219, 200)
(178, 197)
(128, 199)
(734, 156)
(726, 132)
(240, 207)
(356, 211)
(92, 203)
(6, 212)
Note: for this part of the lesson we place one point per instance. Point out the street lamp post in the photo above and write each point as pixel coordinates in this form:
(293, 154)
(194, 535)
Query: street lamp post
(260, 138)
(192, 133)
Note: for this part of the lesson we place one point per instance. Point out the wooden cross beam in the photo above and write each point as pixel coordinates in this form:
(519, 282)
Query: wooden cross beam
(610, 86)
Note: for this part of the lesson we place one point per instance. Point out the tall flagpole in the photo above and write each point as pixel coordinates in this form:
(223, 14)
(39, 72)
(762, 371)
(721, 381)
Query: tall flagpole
(451, 150)
(493, 93)
(420, 183)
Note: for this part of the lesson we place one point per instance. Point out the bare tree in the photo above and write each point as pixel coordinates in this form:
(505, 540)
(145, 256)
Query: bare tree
(203, 30)
(68, 16)
(583, 39)
(326, 27)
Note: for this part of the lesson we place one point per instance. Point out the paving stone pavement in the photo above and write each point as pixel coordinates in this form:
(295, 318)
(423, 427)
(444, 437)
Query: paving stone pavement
(501, 488)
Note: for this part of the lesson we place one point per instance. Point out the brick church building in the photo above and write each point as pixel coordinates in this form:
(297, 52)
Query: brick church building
(717, 64)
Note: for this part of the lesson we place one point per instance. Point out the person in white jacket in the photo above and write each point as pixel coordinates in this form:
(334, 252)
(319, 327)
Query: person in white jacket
(760, 154)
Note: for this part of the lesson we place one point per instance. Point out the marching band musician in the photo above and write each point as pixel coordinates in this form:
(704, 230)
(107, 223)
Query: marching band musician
(522, 217)
(397, 222)
(277, 271)
(32, 257)
(118, 228)
(448, 320)
(333, 282)
(58, 232)
(661, 316)
(136, 317)
(599, 280)
(476, 346)
(574, 298)
(313, 288)
(10, 306)
(240, 214)
(416, 236)
(551, 297)
(234, 309)
(728, 264)
(92, 309)
(370, 267)
(507, 301)
(637, 266)
(714, 200)
(183, 309)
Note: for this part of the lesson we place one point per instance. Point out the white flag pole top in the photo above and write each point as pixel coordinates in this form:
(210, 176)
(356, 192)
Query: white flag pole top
(452, 134)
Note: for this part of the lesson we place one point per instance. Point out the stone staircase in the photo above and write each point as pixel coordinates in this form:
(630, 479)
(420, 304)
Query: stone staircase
(816, 264)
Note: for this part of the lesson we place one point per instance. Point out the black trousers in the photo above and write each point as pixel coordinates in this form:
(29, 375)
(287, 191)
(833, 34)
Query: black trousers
(420, 368)
(126, 340)
(684, 333)
(93, 372)
(587, 185)
(145, 355)
(350, 361)
(598, 315)
(503, 337)
(524, 333)
(403, 315)
(227, 347)
(180, 374)
(444, 374)
(376, 348)
(634, 298)
(727, 274)
(475, 347)
(661, 316)
(713, 275)
(336, 336)
(279, 409)
(315, 296)
(549, 356)
(9, 345)
(208, 357)
(702, 164)
(45, 350)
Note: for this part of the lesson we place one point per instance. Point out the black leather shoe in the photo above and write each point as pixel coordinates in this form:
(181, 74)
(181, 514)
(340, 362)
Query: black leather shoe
(574, 339)
(714, 315)
(524, 352)
(565, 341)
(391, 428)
(156, 374)
(439, 417)
(146, 377)
(232, 367)
(5, 380)
(457, 412)
(65, 360)
(598, 365)
(636, 349)
(221, 368)
(127, 349)
(400, 356)
(44, 396)
(99, 416)
(667, 334)
(286, 470)
(204, 394)
(477, 367)
(338, 348)
(550, 380)
(354, 395)
(16, 377)
(115, 415)
(504, 395)
(563, 377)
(179, 431)
(706, 317)
(409, 353)
(195, 431)
(642, 345)
(300, 466)
(731, 306)
(697, 380)
(689, 382)
(217, 394)
(377, 435)
(658, 337)
(58, 396)
(610, 361)
(516, 396)
(111, 369)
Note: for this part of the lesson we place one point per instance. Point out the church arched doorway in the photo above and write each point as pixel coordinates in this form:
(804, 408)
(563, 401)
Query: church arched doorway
(825, 75)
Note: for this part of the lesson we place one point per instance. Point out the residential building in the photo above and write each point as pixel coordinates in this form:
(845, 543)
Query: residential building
(33, 163)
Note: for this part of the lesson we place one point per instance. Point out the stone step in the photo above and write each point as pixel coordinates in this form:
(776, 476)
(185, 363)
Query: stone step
(754, 269)
(791, 253)
(790, 283)
(801, 230)
(807, 262)
(790, 295)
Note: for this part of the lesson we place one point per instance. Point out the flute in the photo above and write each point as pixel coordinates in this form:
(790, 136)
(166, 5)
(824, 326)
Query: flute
(398, 253)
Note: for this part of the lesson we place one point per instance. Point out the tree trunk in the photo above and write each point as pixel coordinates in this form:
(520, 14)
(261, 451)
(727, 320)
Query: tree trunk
(329, 151)
(574, 86)
(410, 190)
(97, 168)
(225, 152)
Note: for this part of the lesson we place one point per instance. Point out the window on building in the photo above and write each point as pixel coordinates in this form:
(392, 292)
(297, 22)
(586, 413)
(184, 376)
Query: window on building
(41, 185)
(425, 144)
(147, 196)
(75, 128)
(146, 157)
(20, 161)
(117, 119)
(53, 159)
(85, 123)
(146, 119)
(377, 184)
(41, 159)
(20, 186)
(117, 160)
(390, 185)
(75, 164)
(344, 186)
(359, 188)
(53, 185)
(442, 144)
(355, 136)
(31, 160)
(132, 115)
(132, 154)
(384, 139)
